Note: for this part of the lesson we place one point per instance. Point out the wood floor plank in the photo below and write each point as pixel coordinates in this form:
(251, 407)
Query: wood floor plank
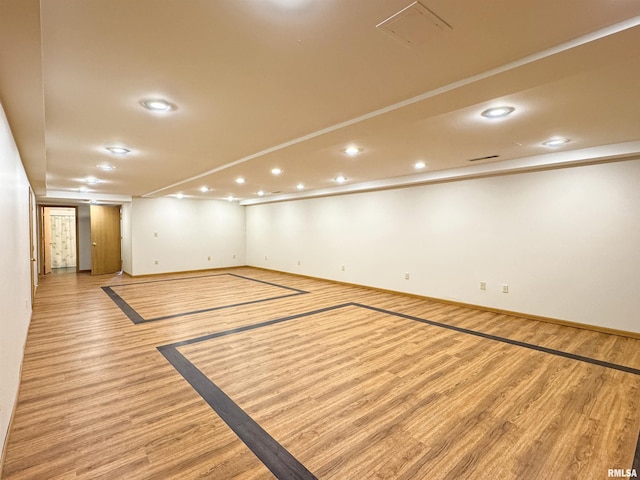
(358, 389)
(157, 299)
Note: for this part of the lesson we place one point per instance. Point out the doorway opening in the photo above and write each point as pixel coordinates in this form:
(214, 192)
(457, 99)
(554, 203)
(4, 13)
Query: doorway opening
(59, 252)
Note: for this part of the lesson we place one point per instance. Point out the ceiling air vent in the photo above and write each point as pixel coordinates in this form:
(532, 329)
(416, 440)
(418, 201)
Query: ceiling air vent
(488, 157)
(413, 25)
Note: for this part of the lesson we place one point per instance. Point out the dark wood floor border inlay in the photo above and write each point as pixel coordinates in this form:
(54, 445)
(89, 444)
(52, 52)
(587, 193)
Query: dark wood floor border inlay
(274, 456)
(552, 351)
(136, 318)
(636, 458)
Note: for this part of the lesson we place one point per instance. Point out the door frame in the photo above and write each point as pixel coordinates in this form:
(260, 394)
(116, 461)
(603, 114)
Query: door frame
(41, 248)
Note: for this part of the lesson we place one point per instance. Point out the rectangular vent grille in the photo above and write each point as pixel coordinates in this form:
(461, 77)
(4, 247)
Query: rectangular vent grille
(483, 158)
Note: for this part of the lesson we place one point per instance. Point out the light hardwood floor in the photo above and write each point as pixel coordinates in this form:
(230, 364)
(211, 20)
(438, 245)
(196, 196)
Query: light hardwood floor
(336, 381)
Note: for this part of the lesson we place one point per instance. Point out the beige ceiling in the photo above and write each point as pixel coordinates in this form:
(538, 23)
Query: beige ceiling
(291, 83)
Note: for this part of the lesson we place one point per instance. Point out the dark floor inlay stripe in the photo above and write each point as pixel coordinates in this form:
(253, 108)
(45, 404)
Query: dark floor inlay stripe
(194, 312)
(636, 458)
(531, 346)
(275, 457)
(267, 283)
(136, 318)
(256, 325)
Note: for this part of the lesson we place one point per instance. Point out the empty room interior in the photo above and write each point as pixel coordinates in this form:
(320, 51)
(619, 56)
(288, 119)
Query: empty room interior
(319, 239)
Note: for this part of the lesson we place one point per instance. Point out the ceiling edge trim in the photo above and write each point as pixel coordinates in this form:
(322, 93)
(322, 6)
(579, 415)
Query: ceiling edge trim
(54, 195)
(619, 151)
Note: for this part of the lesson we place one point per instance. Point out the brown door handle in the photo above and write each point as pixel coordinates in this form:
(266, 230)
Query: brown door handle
(94, 244)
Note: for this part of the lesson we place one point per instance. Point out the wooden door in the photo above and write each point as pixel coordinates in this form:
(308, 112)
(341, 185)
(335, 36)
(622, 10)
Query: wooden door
(46, 240)
(105, 239)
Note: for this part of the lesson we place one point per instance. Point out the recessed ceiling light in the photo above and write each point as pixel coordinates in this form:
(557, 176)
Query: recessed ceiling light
(276, 171)
(419, 165)
(180, 195)
(261, 193)
(231, 198)
(340, 179)
(300, 186)
(352, 150)
(118, 150)
(106, 167)
(240, 180)
(497, 112)
(204, 189)
(83, 189)
(290, 4)
(92, 180)
(157, 105)
(556, 142)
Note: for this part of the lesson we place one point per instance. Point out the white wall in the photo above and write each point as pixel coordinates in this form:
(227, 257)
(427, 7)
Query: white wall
(125, 231)
(188, 233)
(567, 242)
(15, 290)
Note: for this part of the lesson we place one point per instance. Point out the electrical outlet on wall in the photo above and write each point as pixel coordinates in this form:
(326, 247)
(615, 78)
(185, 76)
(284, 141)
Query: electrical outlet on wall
(483, 285)
(505, 288)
